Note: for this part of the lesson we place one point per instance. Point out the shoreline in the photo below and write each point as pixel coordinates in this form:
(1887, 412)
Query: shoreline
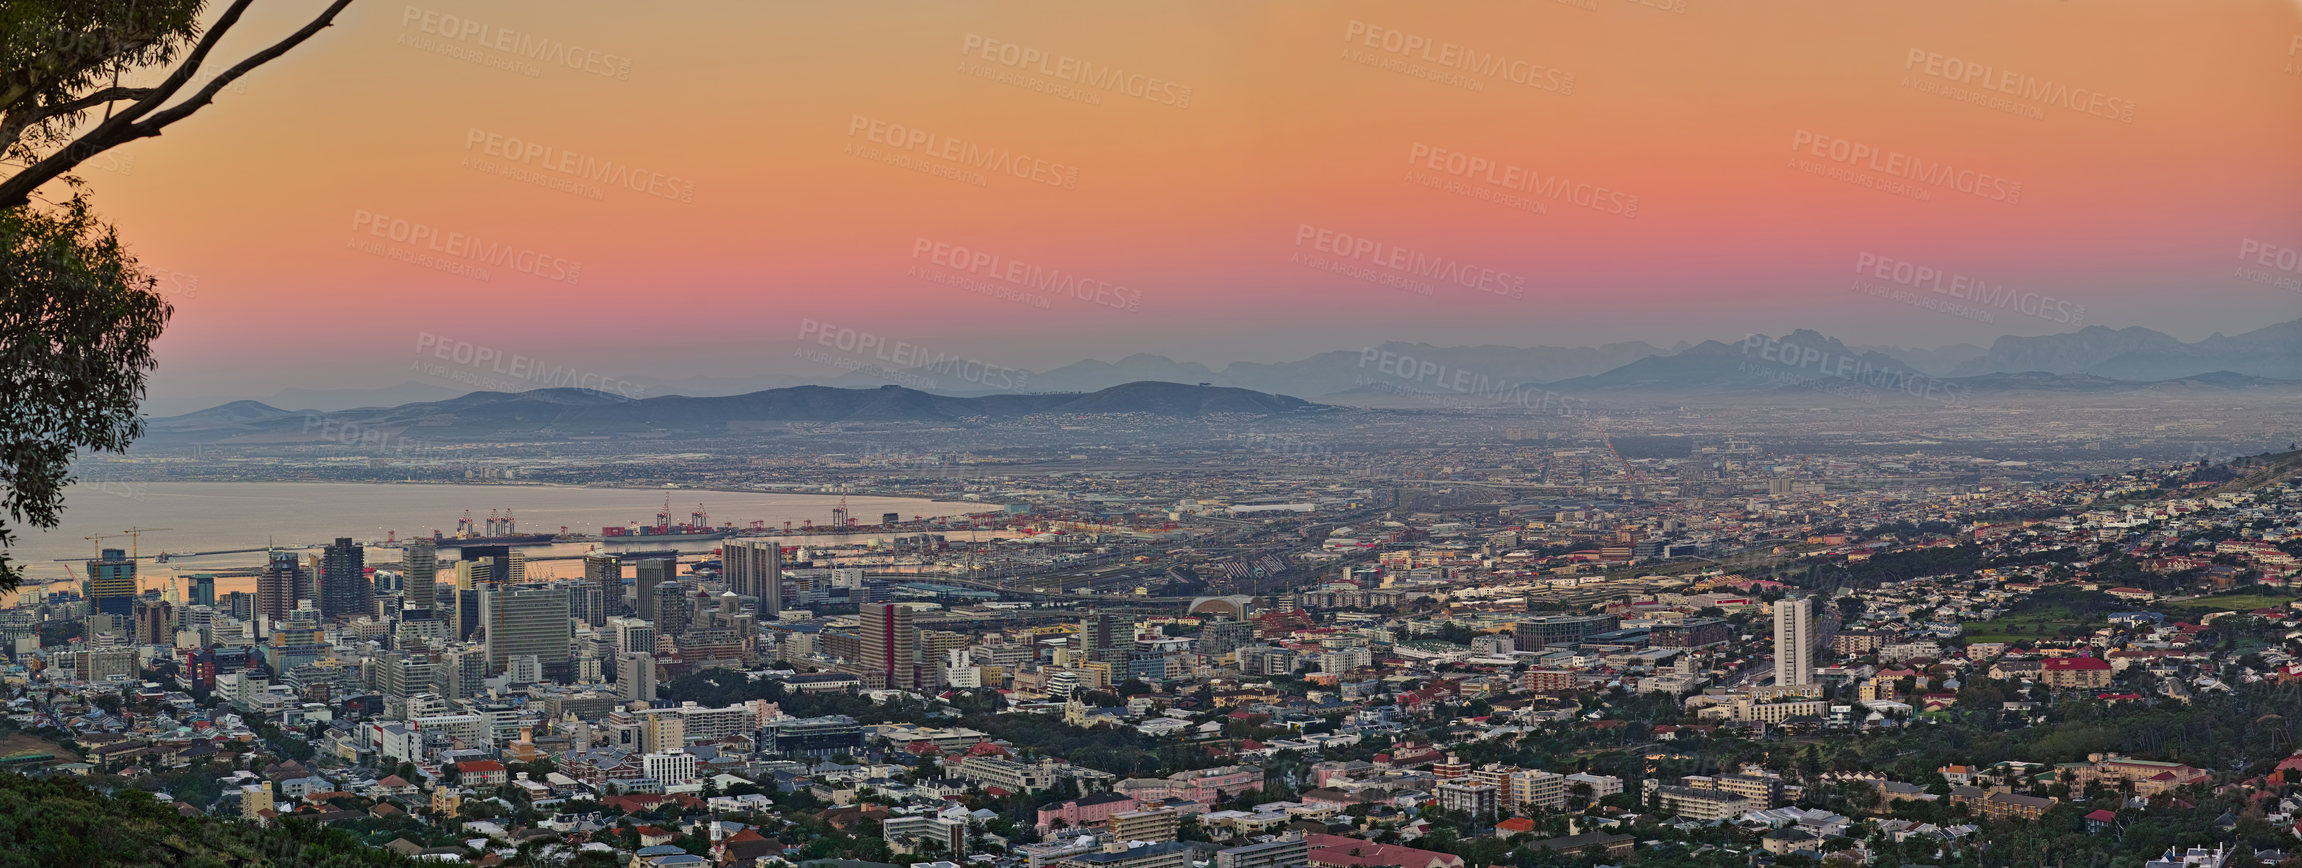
(523, 484)
(47, 563)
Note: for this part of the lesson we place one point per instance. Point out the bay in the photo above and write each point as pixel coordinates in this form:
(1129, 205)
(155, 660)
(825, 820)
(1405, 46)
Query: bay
(216, 516)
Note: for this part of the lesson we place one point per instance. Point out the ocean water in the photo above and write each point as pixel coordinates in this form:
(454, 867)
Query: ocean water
(216, 516)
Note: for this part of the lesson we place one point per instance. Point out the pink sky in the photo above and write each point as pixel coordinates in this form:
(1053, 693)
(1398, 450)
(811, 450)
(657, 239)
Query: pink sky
(799, 162)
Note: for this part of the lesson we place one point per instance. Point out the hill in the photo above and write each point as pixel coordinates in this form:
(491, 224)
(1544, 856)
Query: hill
(53, 821)
(2260, 470)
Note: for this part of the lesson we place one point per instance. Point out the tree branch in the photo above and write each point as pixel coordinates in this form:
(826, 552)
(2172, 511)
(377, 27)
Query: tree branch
(208, 94)
(129, 124)
(13, 124)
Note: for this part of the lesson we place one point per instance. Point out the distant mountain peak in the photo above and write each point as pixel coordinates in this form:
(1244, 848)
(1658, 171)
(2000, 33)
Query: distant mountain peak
(584, 412)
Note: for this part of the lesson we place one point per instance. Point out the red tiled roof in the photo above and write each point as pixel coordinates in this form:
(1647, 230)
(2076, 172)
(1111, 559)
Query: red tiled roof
(1360, 853)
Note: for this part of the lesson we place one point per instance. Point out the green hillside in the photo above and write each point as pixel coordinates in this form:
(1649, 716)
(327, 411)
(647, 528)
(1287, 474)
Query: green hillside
(51, 821)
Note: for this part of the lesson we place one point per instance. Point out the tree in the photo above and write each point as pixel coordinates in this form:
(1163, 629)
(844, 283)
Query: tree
(64, 59)
(77, 315)
(76, 328)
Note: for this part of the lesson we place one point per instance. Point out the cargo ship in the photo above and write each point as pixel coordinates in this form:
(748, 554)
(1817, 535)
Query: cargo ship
(500, 532)
(697, 529)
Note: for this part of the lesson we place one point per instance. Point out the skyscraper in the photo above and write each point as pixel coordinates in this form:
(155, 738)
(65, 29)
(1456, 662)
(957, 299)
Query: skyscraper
(344, 588)
(462, 671)
(112, 584)
(1794, 641)
(634, 676)
(204, 589)
(466, 614)
(1100, 640)
(528, 620)
(498, 568)
(308, 583)
(584, 602)
(671, 610)
(405, 675)
(155, 622)
(276, 588)
(889, 645)
(473, 574)
(421, 561)
(633, 634)
(755, 569)
(645, 578)
(605, 572)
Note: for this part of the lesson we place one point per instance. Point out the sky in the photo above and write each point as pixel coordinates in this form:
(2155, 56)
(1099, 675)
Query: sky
(729, 189)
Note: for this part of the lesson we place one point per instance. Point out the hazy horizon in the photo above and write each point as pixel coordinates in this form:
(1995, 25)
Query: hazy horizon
(681, 194)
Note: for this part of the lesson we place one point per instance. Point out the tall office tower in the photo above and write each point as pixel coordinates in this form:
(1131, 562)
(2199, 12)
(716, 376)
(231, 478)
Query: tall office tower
(528, 619)
(467, 614)
(474, 574)
(241, 605)
(461, 672)
(112, 584)
(308, 585)
(649, 575)
(276, 588)
(584, 602)
(405, 675)
(605, 572)
(344, 588)
(1101, 639)
(477, 566)
(155, 622)
(204, 589)
(754, 568)
(889, 654)
(671, 611)
(420, 560)
(634, 676)
(515, 567)
(633, 634)
(1794, 640)
(201, 619)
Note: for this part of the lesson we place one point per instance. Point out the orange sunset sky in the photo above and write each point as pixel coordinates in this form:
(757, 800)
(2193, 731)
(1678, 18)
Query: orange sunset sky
(1198, 172)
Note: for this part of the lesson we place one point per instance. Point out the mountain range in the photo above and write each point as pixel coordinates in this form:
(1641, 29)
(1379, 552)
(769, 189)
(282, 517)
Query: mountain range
(2093, 359)
(583, 413)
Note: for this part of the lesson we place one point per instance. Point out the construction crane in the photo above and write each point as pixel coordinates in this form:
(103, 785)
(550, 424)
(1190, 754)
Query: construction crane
(95, 547)
(135, 540)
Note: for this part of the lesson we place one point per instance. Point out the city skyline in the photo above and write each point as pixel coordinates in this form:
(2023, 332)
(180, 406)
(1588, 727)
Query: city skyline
(1282, 434)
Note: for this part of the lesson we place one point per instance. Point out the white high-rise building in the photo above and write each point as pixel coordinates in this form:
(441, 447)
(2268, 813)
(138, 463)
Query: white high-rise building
(671, 767)
(635, 677)
(1794, 641)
